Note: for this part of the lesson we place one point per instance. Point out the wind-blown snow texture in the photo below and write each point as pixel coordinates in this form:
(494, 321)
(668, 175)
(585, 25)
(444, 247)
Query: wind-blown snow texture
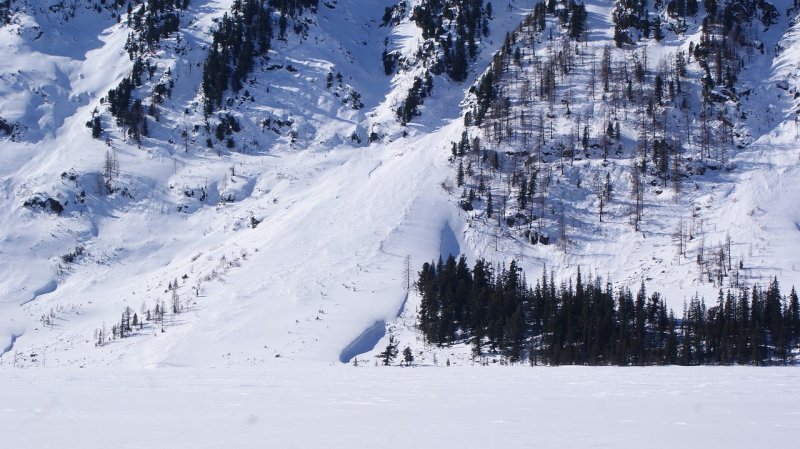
(340, 406)
(336, 217)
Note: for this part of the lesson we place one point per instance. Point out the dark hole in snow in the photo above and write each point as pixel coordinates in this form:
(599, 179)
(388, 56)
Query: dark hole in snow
(449, 244)
(365, 342)
(10, 345)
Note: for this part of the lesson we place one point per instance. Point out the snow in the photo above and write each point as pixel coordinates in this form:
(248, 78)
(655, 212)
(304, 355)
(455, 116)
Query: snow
(365, 342)
(337, 218)
(342, 406)
(254, 295)
(449, 245)
(275, 313)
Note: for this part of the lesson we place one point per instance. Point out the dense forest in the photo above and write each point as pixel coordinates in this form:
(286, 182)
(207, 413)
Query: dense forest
(590, 321)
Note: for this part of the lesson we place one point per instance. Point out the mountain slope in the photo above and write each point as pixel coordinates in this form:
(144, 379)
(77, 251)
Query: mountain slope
(287, 239)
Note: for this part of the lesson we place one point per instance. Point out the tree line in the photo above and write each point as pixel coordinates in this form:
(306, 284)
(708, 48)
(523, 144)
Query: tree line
(590, 321)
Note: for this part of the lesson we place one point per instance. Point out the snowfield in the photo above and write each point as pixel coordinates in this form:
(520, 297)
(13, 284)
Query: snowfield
(336, 219)
(312, 250)
(283, 254)
(456, 407)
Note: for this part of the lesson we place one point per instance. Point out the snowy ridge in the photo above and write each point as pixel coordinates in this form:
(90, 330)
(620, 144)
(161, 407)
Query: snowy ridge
(290, 244)
(312, 303)
(613, 249)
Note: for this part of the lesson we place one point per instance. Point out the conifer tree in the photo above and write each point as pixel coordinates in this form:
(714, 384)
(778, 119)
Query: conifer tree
(408, 356)
(390, 353)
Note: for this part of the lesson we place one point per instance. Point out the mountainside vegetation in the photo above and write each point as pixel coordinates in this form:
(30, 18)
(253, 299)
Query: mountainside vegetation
(590, 321)
(174, 166)
(559, 118)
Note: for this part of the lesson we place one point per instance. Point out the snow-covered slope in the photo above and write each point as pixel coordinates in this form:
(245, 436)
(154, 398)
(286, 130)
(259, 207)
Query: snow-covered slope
(743, 196)
(335, 220)
(298, 237)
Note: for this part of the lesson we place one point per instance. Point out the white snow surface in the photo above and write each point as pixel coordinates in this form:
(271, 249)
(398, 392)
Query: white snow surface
(342, 406)
(337, 218)
(255, 358)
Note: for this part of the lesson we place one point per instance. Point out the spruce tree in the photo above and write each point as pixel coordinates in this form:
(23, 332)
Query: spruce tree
(408, 356)
(390, 353)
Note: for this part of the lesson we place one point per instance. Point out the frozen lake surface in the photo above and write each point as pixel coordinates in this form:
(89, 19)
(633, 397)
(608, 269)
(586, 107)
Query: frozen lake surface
(342, 406)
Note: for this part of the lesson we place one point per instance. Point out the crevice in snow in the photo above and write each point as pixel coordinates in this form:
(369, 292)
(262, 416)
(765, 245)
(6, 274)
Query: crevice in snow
(449, 245)
(10, 345)
(365, 342)
(49, 287)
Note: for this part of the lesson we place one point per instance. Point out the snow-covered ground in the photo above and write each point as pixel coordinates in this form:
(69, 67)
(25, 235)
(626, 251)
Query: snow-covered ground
(748, 199)
(341, 406)
(309, 263)
(337, 218)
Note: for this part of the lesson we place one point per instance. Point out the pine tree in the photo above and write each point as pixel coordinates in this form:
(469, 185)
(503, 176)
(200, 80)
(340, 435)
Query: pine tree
(408, 356)
(97, 127)
(793, 317)
(176, 301)
(516, 334)
(522, 195)
(390, 353)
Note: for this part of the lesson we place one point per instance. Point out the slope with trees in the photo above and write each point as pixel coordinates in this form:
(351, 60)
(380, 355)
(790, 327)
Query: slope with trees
(565, 115)
(591, 321)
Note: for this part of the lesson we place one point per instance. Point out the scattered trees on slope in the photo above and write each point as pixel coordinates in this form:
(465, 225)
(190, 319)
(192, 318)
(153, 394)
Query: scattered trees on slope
(149, 22)
(239, 39)
(5, 12)
(554, 111)
(455, 25)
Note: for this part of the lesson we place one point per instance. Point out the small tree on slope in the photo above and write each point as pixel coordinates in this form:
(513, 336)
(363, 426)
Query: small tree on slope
(390, 353)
